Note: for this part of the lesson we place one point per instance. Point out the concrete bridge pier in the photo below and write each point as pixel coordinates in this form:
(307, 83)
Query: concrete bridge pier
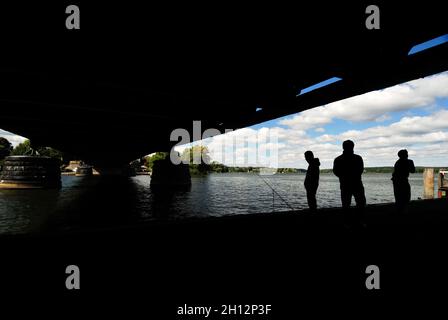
(166, 175)
(30, 172)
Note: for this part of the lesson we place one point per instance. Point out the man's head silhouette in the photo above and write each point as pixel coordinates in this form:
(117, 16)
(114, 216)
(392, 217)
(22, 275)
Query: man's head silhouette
(309, 156)
(403, 154)
(348, 146)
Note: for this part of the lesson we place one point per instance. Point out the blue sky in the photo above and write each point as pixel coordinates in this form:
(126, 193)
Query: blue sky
(428, 44)
(412, 115)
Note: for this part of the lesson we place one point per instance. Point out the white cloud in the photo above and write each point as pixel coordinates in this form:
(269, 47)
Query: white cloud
(383, 118)
(427, 128)
(375, 105)
(425, 137)
(11, 137)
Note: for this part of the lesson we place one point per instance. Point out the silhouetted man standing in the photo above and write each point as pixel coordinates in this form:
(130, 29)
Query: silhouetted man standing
(402, 188)
(312, 179)
(348, 167)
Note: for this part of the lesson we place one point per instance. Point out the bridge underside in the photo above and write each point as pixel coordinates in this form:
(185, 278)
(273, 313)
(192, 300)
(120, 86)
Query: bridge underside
(114, 90)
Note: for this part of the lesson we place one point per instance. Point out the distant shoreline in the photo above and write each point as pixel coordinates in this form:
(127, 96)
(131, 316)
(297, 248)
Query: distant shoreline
(302, 171)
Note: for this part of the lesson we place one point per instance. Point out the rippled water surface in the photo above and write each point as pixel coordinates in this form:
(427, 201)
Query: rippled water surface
(103, 201)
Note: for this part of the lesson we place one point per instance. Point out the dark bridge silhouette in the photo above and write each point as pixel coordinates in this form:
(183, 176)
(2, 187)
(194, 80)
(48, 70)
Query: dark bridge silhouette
(114, 90)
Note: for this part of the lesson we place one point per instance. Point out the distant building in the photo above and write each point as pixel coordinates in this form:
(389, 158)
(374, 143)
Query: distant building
(75, 164)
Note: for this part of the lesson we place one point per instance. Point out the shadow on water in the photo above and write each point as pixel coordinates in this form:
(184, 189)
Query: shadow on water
(109, 201)
(89, 202)
(102, 201)
(163, 199)
(18, 216)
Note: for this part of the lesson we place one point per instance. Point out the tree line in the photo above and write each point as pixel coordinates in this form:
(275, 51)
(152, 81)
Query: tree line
(26, 148)
(202, 166)
(198, 158)
(216, 167)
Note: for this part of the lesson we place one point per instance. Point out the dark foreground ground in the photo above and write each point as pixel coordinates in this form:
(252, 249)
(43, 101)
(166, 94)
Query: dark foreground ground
(296, 262)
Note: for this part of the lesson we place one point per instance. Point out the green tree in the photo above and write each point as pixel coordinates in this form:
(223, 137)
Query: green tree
(218, 167)
(149, 160)
(198, 158)
(21, 149)
(26, 148)
(196, 155)
(50, 152)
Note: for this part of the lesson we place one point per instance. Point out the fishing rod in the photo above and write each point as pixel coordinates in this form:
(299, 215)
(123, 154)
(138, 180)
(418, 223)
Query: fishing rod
(274, 191)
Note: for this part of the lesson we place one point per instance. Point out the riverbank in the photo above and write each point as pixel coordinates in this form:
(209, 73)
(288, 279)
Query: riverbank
(420, 214)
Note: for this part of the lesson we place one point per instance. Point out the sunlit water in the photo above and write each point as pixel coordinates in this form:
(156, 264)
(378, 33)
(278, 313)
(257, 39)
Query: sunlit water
(107, 201)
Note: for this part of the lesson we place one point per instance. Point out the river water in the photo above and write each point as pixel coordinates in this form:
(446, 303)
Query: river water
(111, 201)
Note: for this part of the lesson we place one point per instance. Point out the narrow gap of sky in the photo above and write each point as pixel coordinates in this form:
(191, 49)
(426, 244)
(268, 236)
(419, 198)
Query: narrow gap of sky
(428, 44)
(319, 85)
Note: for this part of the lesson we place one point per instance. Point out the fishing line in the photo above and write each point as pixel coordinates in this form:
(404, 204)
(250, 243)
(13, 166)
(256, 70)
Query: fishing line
(274, 191)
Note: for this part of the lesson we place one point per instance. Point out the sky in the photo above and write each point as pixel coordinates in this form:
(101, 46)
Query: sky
(11, 137)
(412, 116)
